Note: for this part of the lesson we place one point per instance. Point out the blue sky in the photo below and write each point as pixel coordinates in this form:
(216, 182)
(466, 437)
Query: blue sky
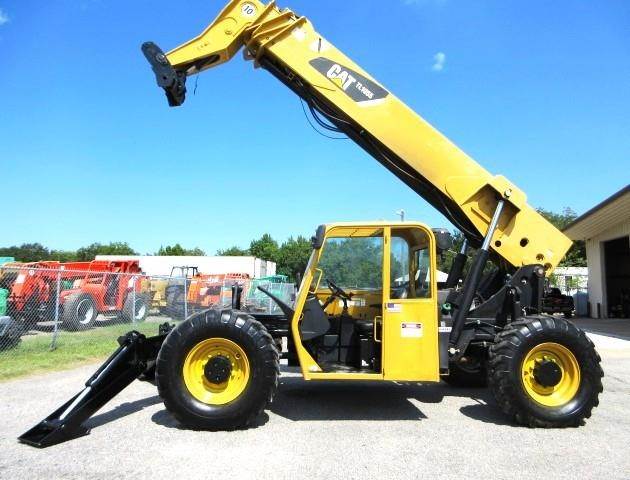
(89, 151)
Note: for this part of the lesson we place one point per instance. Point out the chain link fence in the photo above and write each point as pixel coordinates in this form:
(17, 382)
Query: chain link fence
(51, 310)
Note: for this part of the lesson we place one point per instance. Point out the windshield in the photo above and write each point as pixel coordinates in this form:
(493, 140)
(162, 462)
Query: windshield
(353, 263)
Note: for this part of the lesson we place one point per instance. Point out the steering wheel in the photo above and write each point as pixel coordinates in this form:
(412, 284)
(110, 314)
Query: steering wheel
(338, 291)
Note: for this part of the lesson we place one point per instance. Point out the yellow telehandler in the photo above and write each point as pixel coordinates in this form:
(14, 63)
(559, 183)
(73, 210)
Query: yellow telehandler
(368, 307)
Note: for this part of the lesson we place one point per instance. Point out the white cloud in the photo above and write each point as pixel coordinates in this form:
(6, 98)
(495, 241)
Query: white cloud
(439, 62)
(4, 18)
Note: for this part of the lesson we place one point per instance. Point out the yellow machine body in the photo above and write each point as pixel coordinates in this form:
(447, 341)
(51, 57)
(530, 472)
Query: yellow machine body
(405, 356)
(523, 236)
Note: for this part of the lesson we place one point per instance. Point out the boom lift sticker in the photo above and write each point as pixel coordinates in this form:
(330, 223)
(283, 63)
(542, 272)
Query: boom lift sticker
(359, 88)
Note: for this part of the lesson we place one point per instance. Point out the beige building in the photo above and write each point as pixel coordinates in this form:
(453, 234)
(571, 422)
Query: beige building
(606, 230)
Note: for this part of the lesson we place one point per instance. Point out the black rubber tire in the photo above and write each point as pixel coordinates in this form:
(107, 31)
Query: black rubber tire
(461, 375)
(505, 361)
(75, 312)
(12, 336)
(175, 303)
(262, 355)
(130, 314)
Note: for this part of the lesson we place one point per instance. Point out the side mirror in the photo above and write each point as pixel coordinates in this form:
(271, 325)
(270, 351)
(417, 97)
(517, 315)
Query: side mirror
(443, 239)
(318, 240)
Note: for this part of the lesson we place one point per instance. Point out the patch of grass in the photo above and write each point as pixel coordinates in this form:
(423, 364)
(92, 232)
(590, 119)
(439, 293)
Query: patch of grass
(33, 354)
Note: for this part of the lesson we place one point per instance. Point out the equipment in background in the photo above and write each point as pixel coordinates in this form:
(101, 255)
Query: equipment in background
(87, 289)
(555, 302)
(187, 291)
(163, 290)
(256, 301)
(368, 307)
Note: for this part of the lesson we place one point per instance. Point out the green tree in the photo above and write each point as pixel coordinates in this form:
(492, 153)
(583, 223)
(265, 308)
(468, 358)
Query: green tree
(293, 257)
(559, 220)
(178, 251)
(234, 252)
(88, 253)
(265, 248)
(27, 252)
(576, 256)
(353, 262)
(63, 255)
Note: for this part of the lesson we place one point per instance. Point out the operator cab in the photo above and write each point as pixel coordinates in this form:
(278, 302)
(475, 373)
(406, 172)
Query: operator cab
(363, 281)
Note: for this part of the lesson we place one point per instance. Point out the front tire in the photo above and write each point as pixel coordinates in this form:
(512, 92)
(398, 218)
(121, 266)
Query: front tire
(135, 308)
(79, 312)
(545, 372)
(231, 391)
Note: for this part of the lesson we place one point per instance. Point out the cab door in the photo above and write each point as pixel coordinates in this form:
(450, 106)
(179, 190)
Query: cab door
(409, 317)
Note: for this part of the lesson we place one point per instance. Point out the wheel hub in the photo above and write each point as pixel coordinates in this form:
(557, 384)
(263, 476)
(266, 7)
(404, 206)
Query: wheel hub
(547, 373)
(218, 370)
(551, 374)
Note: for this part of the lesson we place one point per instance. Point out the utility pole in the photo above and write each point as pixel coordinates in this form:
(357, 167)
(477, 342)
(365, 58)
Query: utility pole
(401, 213)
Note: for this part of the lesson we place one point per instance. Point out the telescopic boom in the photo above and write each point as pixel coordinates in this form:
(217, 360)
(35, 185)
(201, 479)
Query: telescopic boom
(345, 98)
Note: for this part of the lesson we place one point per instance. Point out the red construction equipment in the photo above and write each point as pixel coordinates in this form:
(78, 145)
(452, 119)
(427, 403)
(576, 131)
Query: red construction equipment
(202, 291)
(86, 289)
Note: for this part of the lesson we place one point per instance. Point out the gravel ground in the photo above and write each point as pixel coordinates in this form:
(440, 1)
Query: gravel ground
(319, 430)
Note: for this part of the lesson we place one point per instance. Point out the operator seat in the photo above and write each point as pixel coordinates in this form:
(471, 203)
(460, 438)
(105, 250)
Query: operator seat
(315, 322)
(365, 328)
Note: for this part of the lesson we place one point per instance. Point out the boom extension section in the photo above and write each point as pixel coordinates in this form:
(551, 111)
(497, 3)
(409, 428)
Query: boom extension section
(347, 97)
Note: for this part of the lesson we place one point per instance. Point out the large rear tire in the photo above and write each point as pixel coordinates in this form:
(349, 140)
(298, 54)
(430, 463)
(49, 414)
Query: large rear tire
(175, 301)
(545, 372)
(135, 308)
(79, 312)
(218, 370)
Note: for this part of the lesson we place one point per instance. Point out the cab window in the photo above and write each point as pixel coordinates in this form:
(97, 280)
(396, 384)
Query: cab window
(410, 264)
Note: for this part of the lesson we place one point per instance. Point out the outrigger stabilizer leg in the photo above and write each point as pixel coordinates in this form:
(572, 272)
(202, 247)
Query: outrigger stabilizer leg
(134, 357)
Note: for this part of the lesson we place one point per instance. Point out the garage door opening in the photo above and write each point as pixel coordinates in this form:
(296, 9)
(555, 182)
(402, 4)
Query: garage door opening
(617, 258)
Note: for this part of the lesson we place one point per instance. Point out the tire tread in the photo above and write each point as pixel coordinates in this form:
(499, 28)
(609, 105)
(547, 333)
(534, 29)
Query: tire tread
(506, 348)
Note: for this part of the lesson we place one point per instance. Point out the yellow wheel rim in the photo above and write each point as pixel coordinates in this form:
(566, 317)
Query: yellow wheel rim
(566, 389)
(194, 371)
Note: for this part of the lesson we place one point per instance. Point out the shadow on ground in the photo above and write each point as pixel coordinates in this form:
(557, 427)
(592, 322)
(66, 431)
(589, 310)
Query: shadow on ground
(122, 410)
(610, 327)
(298, 400)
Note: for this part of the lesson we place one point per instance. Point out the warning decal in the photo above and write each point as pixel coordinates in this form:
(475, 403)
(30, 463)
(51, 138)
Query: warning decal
(394, 307)
(411, 330)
